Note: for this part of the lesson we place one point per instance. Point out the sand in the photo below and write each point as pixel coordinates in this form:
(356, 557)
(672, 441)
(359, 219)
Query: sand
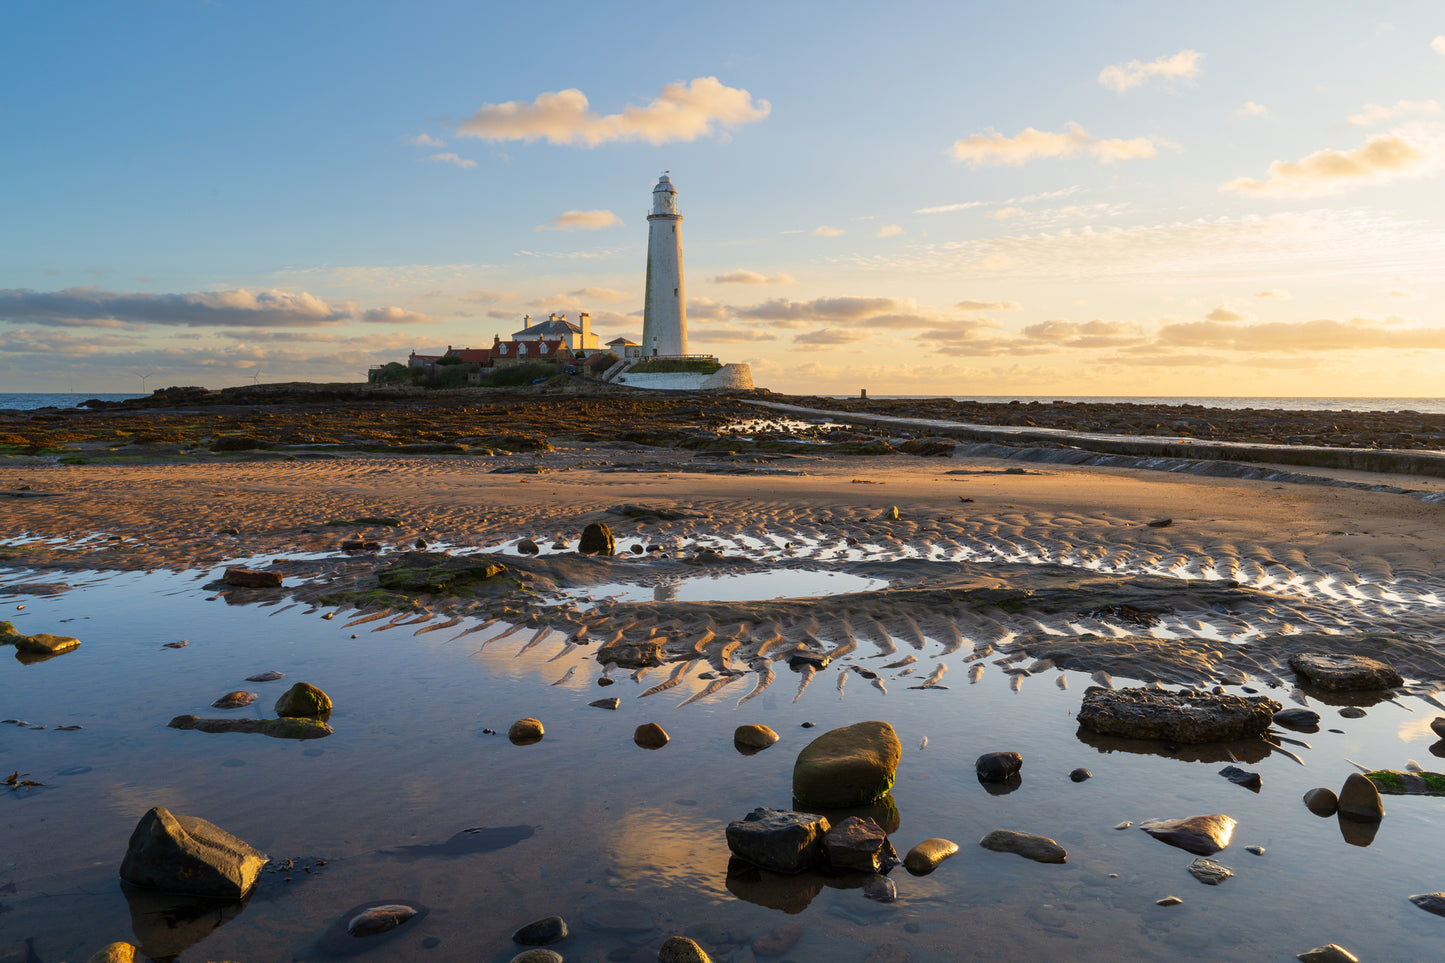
(1026, 570)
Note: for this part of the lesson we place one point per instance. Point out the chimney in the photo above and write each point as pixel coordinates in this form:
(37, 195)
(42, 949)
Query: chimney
(584, 321)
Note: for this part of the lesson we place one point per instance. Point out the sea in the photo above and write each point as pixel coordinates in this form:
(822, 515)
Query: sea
(26, 401)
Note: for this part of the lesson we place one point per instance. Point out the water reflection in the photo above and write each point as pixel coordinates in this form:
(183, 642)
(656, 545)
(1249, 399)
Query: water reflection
(883, 811)
(166, 925)
(665, 593)
(1355, 832)
(1250, 751)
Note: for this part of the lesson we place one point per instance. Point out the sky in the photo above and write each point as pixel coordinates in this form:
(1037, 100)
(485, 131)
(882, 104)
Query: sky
(946, 198)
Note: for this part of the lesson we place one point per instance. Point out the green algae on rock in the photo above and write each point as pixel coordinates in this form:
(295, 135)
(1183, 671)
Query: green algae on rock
(303, 700)
(851, 766)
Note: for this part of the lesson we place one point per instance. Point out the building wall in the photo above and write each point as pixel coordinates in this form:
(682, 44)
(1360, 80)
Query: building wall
(730, 377)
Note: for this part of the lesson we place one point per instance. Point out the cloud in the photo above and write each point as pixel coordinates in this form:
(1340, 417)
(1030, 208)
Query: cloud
(1250, 109)
(424, 140)
(1401, 294)
(890, 230)
(488, 297)
(830, 337)
(1182, 66)
(949, 208)
(237, 308)
(682, 112)
(1374, 113)
(836, 310)
(1004, 213)
(610, 295)
(706, 309)
(728, 335)
(1274, 294)
(580, 221)
(826, 231)
(971, 305)
(1438, 45)
(751, 277)
(1357, 334)
(992, 147)
(1089, 335)
(1223, 314)
(1382, 157)
(453, 159)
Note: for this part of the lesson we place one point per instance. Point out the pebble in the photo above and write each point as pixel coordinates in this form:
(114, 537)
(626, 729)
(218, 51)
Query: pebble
(526, 730)
(542, 932)
(755, 736)
(650, 735)
(379, 919)
(1257, 850)
(1124, 825)
(1168, 901)
(606, 681)
(1080, 774)
(235, 700)
(925, 857)
(612, 703)
(1208, 872)
(269, 676)
(1352, 712)
(1329, 953)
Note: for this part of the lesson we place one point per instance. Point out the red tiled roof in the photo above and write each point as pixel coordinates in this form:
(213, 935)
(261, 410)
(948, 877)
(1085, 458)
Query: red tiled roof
(478, 355)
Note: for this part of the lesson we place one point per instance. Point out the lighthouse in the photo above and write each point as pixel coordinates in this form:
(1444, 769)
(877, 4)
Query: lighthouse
(664, 316)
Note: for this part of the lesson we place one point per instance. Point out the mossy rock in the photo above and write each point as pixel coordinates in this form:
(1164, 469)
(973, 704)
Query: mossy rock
(851, 766)
(283, 728)
(436, 573)
(303, 700)
(43, 643)
(1392, 782)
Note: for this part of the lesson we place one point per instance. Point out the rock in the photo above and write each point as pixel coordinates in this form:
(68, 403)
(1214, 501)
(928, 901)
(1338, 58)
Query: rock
(1160, 523)
(303, 700)
(1345, 673)
(270, 676)
(997, 766)
(537, 955)
(1301, 720)
(1360, 800)
(597, 540)
(859, 843)
(1396, 783)
(526, 731)
(1437, 725)
(754, 736)
(1040, 849)
(680, 949)
(1256, 850)
(880, 888)
(1200, 835)
(276, 728)
(1187, 717)
(360, 545)
(1209, 872)
(925, 857)
(1168, 901)
(612, 703)
(1322, 802)
(1352, 712)
(1080, 774)
(251, 578)
(927, 448)
(650, 735)
(781, 840)
(1430, 902)
(235, 700)
(851, 766)
(7, 635)
(1329, 953)
(542, 932)
(187, 855)
(778, 941)
(1240, 777)
(632, 655)
(379, 919)
(437, 573)
(43, 644)
(121, 953)
(528, 547)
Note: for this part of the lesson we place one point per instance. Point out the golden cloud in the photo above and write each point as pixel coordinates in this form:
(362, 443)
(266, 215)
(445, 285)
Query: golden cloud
(1382, 157)
(580, 221)
(751, 277)
(1181, 66)
(1029, 144)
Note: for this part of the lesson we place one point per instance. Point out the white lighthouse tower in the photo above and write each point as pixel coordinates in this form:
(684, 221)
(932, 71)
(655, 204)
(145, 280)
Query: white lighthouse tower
(664, 316)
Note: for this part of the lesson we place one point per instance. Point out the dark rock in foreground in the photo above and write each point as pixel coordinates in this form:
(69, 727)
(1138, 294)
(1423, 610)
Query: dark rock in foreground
(251, 578)
(851, 766)
(1302, 720)
(436, 573)
(782, 840)
(1241, 777)
(859, 843)
(997, 766)
(1360, 800)
(543, 932)
(1187, 717)
(1345, 673)
(1200, 835)
(597, 540)
(303, 700)
(184, 854)
(1430, 902)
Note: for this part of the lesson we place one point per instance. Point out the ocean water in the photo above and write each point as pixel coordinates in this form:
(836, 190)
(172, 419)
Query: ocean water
(1423, 405)
(30, 400)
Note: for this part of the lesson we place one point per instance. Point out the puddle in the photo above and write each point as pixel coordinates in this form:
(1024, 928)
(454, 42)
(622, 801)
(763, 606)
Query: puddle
(744, 587)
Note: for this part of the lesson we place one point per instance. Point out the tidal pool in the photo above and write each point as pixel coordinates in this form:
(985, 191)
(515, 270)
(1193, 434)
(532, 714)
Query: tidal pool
(411, 799)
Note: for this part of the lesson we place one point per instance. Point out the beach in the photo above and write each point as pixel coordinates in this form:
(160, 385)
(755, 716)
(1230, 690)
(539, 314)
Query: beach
(965, 598)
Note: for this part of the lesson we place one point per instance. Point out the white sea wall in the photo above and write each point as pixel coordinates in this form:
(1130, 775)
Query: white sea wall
(730, 377)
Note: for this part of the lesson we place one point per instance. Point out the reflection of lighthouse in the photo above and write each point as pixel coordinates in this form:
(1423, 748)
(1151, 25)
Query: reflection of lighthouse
(664, 316)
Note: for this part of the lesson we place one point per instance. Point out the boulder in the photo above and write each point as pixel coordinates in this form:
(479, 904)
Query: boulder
(1301, 720)
(528, 546)
(1200, 835)
(781, 840)
(437, 573)
(251, 578)
(119, 953)
(851, 766)
(303, 700)
(1360, 800)
(1392, 782)
(597, 540)
(997, 766)
(632, 654)
(1322, 802)
(276, 728)
(680, 949)
(43, 644)
(187, 855)
(375, 920)
(925, 857)
(1437, 726)
(543, 932)
(526, 731)
(859, 843)
(1040, 849)
(1186, 717)
(650, 735)
(754, 736)
(1344, 673)
(1208, 872)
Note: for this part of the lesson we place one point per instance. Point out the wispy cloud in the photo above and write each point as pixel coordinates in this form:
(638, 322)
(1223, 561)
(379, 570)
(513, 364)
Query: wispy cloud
(1250, 109)
(1375, 113)
(950, 208)
(449, 158)
(1382, 157)
(1181, 66)
(682, 112)
(971, 305)
(580, 221)
(1029, 144)
(751, 277)
(830, 337)
(834, 310)
(233, 308)
(826, 231)
(890, 230)
(1298, 337)
(1225, 315)
(1274, 294)
(1438, 45)
(424, 140)
(1004, 213)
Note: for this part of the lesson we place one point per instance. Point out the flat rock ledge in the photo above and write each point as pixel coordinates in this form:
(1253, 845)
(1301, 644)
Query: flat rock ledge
(1184, 717)
(1345, 673)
